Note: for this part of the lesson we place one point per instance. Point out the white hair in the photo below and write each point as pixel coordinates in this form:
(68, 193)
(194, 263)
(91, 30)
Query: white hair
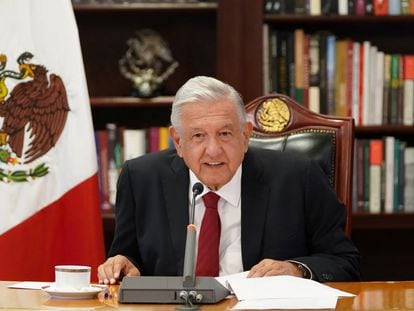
(206, 90)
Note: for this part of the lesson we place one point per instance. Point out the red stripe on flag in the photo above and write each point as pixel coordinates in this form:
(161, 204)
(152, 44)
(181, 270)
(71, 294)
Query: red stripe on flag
(68, 231)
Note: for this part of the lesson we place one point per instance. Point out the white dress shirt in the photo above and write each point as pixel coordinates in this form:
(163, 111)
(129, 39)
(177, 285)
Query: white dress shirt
(229, 209)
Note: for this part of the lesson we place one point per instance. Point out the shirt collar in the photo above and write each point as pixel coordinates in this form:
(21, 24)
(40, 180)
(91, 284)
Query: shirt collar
(230, 191)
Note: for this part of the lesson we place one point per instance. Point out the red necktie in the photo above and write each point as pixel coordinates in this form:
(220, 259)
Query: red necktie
(209, 238)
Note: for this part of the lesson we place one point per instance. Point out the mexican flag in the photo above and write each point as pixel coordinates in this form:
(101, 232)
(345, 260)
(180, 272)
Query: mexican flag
(49, 201)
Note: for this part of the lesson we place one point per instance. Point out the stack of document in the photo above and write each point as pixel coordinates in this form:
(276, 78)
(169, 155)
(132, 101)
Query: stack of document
(281, 292)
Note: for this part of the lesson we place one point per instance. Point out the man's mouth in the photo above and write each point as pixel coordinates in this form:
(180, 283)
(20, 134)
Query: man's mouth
(214, 163)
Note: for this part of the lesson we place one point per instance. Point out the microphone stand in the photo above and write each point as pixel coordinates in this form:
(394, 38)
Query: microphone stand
(189, 279)
(176, 289)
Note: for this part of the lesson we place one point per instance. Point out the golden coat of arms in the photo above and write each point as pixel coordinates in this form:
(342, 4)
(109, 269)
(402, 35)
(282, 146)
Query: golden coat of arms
(273, 115)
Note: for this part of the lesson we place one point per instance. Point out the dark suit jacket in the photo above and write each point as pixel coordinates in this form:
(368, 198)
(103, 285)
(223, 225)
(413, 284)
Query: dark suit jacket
(289, 211)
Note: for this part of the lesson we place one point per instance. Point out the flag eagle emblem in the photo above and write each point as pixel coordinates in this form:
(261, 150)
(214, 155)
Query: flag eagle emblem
(34, 114)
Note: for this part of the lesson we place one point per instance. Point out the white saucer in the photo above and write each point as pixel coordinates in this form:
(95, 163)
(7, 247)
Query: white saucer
(87, 293)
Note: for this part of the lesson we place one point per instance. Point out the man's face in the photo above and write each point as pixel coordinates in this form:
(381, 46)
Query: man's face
(212, 141)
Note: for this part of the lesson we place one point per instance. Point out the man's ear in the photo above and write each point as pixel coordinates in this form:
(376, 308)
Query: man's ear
(176, 139)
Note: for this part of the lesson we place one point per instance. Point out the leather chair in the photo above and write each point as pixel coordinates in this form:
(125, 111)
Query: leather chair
(281, 123)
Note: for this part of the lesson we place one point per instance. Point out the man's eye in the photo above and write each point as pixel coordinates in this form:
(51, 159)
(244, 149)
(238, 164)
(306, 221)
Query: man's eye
(225, 133)
(197, 135)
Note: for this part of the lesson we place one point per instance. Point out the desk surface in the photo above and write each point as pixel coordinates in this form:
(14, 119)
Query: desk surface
(370, 296)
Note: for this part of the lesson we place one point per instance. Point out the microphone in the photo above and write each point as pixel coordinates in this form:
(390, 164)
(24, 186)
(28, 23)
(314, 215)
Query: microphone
(176, 289)
(190, 249)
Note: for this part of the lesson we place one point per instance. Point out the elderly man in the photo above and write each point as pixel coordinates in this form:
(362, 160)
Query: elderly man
(276, 213)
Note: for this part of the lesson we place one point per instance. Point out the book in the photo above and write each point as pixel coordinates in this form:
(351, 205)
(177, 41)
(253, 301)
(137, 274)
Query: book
(315, 7)
(153, 139)
(399, 183)
(369, 7)
(300, 7)
(351, 7)
(314, 73)
(386, 90)
(366, 174)
(268, 6)
(378, 86)
(359, 7)
(330, 73)
(409, 180)
(113, 172)
(360, 174)
(394, 89)
(355, 81)
(103, 172)
(366, 85)
(299, 38)
(323, 71)
(341, 67)
(272, 56)
(375, 162)
(266, 63)
(408, 114)
(394, 7)
(163, 138)
(306, 64)
(408, 97)
(329, 7)
(380, 7)
(282, 65)
(342, 7)
(389, 174)
(134, 143)
(405, 7)
(349, 77)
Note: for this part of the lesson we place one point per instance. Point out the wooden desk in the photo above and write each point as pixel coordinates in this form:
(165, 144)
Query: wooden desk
(370, 296)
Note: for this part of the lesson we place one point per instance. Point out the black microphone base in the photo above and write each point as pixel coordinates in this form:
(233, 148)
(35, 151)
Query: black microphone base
(169, 289)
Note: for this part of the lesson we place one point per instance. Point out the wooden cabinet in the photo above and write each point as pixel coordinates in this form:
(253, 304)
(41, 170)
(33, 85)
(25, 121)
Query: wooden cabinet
(190, 31)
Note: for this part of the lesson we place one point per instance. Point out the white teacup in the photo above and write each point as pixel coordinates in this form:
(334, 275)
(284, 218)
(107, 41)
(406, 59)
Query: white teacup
(72, 278)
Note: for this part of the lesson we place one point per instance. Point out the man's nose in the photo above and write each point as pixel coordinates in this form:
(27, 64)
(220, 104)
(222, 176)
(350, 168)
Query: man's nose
(213, 146)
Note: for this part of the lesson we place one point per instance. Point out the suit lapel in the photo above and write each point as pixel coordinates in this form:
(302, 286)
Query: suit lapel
(255, 196)
(175, 189)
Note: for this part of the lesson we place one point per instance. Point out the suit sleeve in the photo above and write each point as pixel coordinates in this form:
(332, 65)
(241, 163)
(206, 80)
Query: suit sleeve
(125, 242)
(333, 256)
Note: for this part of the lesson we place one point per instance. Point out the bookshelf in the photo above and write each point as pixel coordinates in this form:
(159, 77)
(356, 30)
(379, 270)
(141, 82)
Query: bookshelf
(224, 39)
(383, 239)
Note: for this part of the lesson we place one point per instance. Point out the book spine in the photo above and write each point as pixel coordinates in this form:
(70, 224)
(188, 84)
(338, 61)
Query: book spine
(380, 7)
(394, 90)
(378, 86)
(409, 180)
(389, 174)
(355, 81)
(323, 72)
(387, 90)
(314, 73)
(376, 159)
(330, 69)
(299, 36)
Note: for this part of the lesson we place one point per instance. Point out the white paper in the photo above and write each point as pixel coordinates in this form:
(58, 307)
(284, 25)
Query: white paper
(273, 287)
(224, 280)
(287, 303)
(30, 285)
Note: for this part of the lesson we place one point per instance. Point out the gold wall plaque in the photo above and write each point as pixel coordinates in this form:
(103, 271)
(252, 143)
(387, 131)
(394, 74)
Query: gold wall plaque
(273, 115)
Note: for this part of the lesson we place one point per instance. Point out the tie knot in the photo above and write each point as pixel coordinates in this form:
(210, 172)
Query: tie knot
(210, 200)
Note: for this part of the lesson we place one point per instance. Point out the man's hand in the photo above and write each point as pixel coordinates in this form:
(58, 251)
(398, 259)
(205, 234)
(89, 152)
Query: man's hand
(114, 268)
(269, 267)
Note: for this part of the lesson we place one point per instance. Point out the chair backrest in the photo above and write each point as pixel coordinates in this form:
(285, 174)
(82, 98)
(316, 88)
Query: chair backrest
(281, 123)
